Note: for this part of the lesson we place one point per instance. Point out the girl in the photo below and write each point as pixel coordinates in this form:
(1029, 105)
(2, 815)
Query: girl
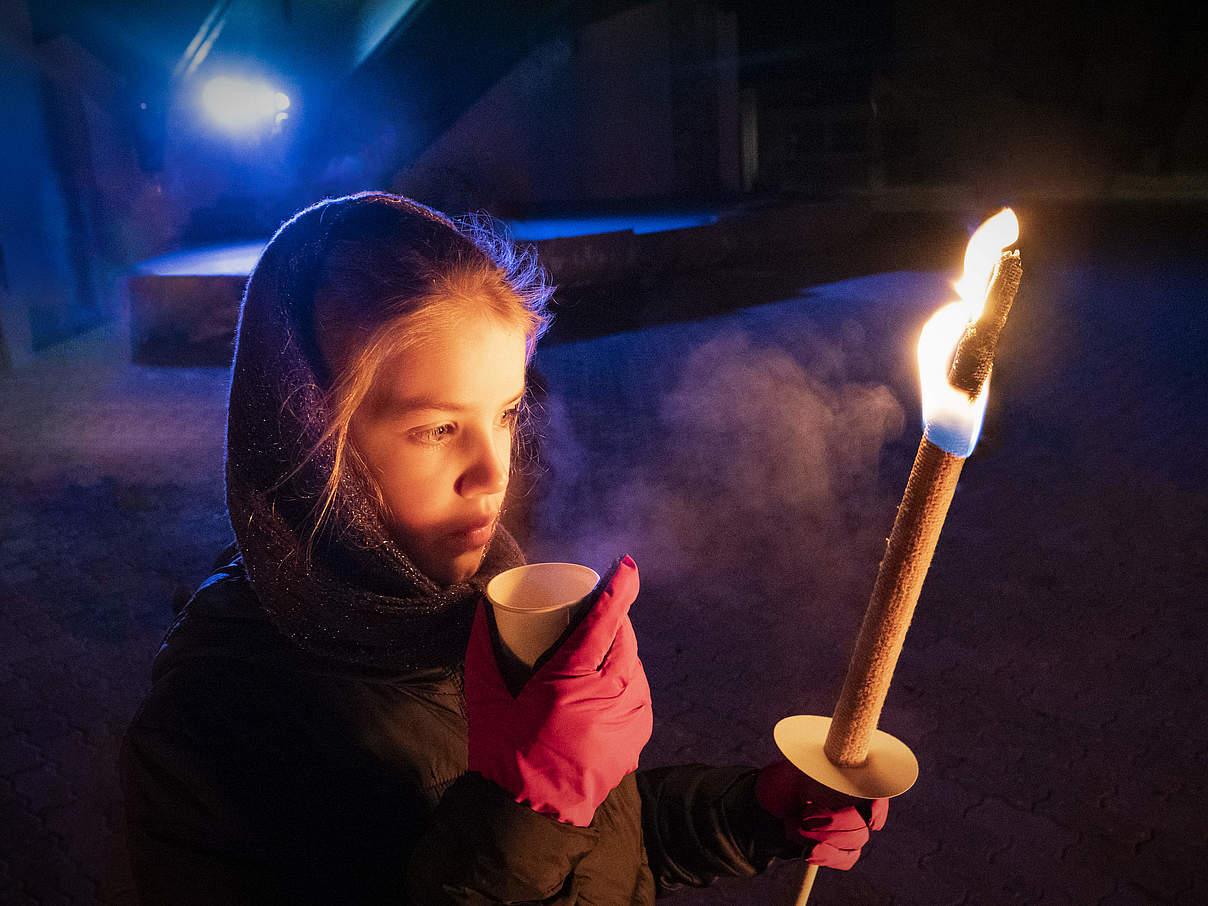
(327, 723)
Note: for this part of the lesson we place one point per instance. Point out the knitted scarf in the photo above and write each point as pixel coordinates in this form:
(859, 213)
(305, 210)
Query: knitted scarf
(357, 599)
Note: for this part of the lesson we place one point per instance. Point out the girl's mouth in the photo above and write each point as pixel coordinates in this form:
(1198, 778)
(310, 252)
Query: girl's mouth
(475, 534)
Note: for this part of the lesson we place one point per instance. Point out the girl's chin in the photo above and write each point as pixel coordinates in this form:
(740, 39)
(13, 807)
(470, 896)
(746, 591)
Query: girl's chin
(448, 571)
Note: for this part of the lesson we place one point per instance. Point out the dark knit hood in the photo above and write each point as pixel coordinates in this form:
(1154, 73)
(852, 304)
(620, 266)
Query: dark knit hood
(357, 598)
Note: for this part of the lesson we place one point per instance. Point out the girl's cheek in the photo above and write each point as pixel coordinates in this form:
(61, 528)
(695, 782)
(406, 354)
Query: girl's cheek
(417, 480)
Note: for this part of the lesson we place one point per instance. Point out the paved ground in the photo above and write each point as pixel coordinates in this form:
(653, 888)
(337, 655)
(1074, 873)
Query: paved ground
(1053, 685)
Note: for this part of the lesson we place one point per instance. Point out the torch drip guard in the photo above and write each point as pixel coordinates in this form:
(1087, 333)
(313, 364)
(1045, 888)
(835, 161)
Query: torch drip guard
(890, 768)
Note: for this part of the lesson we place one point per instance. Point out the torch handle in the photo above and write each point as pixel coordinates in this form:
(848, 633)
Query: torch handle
(807, 884)
(916, 530)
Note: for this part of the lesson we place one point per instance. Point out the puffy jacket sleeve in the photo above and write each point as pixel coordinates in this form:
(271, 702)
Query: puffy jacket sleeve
(702, 823)
(699, 823)
(241, 787)
(240, 812)
(482, 847)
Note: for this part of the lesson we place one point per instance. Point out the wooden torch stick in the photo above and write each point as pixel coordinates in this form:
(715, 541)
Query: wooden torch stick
(807, 884)
(916, 531)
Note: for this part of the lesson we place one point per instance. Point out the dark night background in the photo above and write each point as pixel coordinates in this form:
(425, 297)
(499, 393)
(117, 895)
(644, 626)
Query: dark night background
(749, 211)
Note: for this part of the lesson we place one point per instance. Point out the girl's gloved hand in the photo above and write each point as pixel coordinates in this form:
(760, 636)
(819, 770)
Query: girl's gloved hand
(832, 826)
(577, 726)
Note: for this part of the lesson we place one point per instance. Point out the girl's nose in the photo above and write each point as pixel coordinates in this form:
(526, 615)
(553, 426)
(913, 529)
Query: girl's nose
(487, 471)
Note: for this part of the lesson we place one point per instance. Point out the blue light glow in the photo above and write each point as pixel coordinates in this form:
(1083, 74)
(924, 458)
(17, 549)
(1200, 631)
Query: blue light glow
(378, 18)
(234, 260)
(242, 105)
(556, 227)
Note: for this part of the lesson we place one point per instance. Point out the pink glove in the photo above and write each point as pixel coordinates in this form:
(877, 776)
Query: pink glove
(576, 728)
(837, 825)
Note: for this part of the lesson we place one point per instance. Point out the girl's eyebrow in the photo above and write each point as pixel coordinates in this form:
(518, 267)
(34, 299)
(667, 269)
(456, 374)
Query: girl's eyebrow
(398, 407)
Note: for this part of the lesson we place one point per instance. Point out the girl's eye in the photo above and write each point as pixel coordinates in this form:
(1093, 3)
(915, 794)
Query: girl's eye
(433, 435)
(510, 417)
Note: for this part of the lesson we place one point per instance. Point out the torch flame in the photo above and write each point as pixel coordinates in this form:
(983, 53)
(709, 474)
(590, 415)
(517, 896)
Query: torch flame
(951, 420)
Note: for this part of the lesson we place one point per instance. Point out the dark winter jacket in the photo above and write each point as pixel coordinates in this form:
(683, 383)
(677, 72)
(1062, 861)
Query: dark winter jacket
(257, 773)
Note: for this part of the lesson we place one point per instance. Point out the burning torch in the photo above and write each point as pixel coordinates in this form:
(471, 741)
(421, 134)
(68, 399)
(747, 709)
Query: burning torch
(847, 752)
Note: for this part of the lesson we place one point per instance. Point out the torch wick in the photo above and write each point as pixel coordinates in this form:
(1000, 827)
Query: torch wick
(974, 355)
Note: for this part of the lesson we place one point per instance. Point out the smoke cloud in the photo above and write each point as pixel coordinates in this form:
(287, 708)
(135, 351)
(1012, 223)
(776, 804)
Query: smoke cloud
(734, 469)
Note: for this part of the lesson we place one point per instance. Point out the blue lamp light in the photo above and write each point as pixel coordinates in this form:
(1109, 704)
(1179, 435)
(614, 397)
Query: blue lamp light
(241, 105)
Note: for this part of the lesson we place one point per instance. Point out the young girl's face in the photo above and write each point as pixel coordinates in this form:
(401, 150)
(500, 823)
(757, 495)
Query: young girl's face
(436, 432)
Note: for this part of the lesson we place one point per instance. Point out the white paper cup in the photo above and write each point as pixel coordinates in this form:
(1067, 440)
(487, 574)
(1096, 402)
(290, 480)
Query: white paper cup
(534, 604)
